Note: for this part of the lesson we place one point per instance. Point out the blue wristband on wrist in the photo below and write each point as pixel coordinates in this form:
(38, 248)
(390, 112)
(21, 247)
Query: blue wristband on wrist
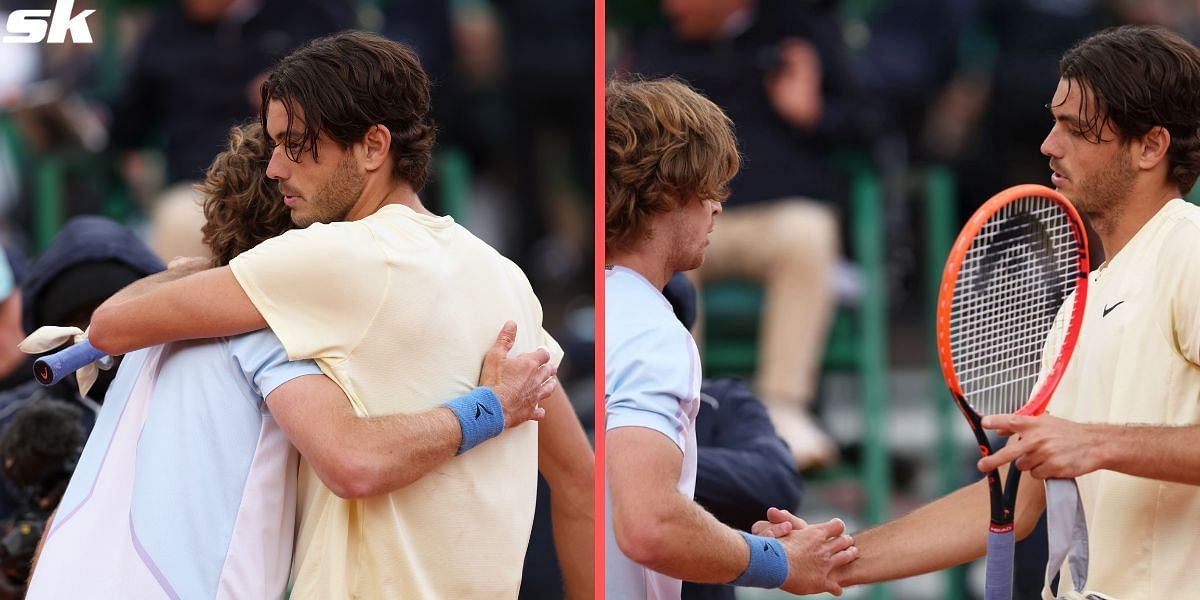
(768, 566)
(479, 415)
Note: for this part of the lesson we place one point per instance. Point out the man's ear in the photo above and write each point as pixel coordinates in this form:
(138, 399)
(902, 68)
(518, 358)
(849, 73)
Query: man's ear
(1154, 146)
(376, 147)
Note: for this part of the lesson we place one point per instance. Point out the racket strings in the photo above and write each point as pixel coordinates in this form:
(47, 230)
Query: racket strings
(1014, 287)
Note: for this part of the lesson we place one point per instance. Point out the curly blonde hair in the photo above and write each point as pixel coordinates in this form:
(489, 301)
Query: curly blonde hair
(241, 204)
(664, 145)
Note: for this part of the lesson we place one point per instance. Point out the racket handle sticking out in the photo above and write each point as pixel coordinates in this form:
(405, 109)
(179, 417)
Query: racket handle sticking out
(50, 369)
(999, 583)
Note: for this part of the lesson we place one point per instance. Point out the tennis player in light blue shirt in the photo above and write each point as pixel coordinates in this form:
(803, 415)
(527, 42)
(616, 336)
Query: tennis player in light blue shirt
(651, 380)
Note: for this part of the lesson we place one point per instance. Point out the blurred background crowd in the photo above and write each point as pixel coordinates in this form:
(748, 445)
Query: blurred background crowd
(101, 143)
(870, 131)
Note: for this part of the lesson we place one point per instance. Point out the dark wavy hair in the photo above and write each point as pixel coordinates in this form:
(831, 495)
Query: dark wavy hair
(242, 205)
(1137, 78)
(664, 145)
(342, 84)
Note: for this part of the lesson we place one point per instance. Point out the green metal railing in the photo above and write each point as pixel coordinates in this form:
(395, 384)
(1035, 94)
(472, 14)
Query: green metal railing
(940, 221)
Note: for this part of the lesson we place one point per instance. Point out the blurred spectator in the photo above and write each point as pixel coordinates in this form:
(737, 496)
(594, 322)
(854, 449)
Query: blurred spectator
(39, 447)
(778, 70)
(89, 260)
(903, 53)
(195, 73)
(992, 116)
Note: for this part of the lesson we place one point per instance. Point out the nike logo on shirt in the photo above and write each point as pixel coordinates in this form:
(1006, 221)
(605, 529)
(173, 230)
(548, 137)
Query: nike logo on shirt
(1108, 309)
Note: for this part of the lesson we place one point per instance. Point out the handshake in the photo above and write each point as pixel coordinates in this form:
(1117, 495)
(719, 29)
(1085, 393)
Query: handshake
(813, 552)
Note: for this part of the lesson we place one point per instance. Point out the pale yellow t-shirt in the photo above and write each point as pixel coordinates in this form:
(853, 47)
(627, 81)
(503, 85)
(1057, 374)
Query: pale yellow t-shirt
(399, 308)
(1137, 361)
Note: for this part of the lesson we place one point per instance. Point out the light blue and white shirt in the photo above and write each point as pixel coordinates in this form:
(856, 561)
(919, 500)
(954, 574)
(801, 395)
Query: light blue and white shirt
(651, 380)
(187, 486)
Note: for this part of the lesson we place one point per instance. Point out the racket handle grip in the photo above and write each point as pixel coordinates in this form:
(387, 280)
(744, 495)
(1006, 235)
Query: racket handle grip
(50, 369)
(999, 582)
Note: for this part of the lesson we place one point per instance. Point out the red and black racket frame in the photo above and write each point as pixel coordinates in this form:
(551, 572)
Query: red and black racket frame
(1003, 500)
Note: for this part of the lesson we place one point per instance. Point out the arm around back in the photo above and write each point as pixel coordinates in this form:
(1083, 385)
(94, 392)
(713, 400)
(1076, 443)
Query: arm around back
(177, 304)
(358, 457)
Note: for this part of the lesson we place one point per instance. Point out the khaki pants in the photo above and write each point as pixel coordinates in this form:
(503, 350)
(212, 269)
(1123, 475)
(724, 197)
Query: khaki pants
(791, 248)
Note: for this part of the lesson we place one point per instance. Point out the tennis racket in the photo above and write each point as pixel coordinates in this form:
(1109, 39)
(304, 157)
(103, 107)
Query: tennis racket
(50, 369)
(1017, 272)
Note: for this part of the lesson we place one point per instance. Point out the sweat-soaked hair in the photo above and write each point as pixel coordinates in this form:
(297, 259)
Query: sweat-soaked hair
(342, 85)
(664, 145)
(1136, 78)
(242, 206)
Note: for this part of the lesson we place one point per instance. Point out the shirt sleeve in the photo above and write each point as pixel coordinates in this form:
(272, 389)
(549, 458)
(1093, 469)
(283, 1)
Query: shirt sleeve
(556, 351)
(265, 363)
(318, 288)
(650, 380)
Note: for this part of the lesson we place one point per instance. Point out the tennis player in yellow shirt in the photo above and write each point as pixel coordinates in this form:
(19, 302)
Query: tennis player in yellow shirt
(397, 305)
(1125, 419)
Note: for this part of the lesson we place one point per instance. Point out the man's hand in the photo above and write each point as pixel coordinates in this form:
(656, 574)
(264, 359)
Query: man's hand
(813, 550)
(779, 523)
(521, 383)
(1047, 447)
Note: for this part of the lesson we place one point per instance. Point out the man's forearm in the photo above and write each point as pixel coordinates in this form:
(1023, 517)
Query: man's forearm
(388, 452)
(178, 304)
(946, 532)
(682, 540)
(150, 282)
(567, 462)
(1154, 452)
(574, 529)
(402, 448)
(656, 526)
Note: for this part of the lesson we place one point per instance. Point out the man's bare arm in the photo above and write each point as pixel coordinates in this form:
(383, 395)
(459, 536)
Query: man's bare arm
(392, 451)
(177, 304)
(388, 452)
(946, 532)
(567, 462)
(1050, 447)
(659, 528)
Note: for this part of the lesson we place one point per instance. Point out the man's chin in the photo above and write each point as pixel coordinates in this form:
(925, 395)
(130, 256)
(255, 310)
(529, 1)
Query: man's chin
(692, 265)
(301, 219)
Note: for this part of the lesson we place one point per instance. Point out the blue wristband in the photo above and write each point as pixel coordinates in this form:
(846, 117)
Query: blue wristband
(768, 566)
(479, 415)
